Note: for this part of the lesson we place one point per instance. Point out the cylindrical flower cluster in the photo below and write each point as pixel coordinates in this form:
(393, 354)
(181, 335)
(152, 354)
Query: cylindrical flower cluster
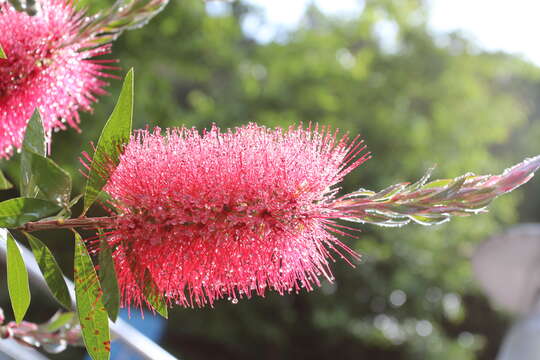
(47, 68)
(227, 214)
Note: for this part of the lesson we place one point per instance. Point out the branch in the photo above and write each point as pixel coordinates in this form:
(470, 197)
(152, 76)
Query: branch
(83, 222)
(53, 337)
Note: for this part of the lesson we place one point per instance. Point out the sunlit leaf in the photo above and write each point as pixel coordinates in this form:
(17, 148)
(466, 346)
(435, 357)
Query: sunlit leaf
(4, 183)
(50, 270)
(34, 141)
(18, 211)
(2, 53)
(53, 182)
(116, 132)
(91, 311)
(17, 280)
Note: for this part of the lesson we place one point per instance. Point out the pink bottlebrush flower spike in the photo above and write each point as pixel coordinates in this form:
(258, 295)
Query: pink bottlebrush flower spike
(45, 68)
(212, 215)
(227, 214)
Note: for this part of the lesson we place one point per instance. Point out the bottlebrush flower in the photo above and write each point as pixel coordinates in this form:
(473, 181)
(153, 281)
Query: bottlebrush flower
(47, 67)
(212, 215)
(229, 214)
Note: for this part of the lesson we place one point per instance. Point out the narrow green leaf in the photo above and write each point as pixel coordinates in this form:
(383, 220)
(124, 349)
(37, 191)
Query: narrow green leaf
(75, 200)
(430, 220)
(109, 282)
(153, 296)
(4, 183)
(17, 279)
(92, 314)
(34, 141)
(50, 270)
(66, 211)
(437, 183)
(116, 132)
(422, 181)
(388, 192)
(53, 182)
(450, 190)
(58, 320)
(2, 53)
(18, 211)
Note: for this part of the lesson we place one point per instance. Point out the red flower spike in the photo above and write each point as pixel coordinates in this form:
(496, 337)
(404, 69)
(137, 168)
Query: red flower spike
(231, 214)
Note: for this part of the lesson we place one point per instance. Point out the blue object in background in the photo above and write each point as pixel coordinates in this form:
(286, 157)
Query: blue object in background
(153, 326)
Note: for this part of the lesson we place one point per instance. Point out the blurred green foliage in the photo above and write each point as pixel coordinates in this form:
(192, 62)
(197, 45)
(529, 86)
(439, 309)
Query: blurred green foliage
(429, 99)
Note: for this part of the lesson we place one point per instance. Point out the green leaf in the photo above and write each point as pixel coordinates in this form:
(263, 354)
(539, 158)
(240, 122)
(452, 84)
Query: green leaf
(450, 190)
(17, 279)
(153, 296)
(75, 200)
(66, 212)
(53, 182)
(50, 270)
(18, 211)
(2, 53)
(4, 183)
(57, 321)
(109, 282)
(437, 183)
(430, 220)
(92, 314)
(116, 132)
(34, 141)
(388, 192)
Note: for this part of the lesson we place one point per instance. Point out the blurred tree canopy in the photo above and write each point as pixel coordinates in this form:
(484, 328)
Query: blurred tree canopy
(421, 100)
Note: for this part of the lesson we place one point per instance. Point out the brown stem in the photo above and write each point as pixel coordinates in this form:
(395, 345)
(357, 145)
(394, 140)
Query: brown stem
(83, 222)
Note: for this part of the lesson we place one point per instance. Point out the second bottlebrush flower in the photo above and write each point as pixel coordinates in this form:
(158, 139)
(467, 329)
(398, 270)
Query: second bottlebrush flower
(47, 67)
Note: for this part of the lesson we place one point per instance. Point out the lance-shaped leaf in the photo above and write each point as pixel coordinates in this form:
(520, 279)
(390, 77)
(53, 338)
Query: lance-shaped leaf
(53, 182)
(34, 142)
(50, 270)
(58, 320)
(109, 282)
(429, 203)
(4, 183)
(150, 290)
(18, 211)
(115, 134)
(17, 280)
(91, 311)
(2, 53)
(152, 295)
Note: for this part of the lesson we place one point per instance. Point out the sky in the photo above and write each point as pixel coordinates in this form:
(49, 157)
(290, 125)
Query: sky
(511, 26)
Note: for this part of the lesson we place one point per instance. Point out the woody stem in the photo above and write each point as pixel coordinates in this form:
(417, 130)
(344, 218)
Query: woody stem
(82, 222)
